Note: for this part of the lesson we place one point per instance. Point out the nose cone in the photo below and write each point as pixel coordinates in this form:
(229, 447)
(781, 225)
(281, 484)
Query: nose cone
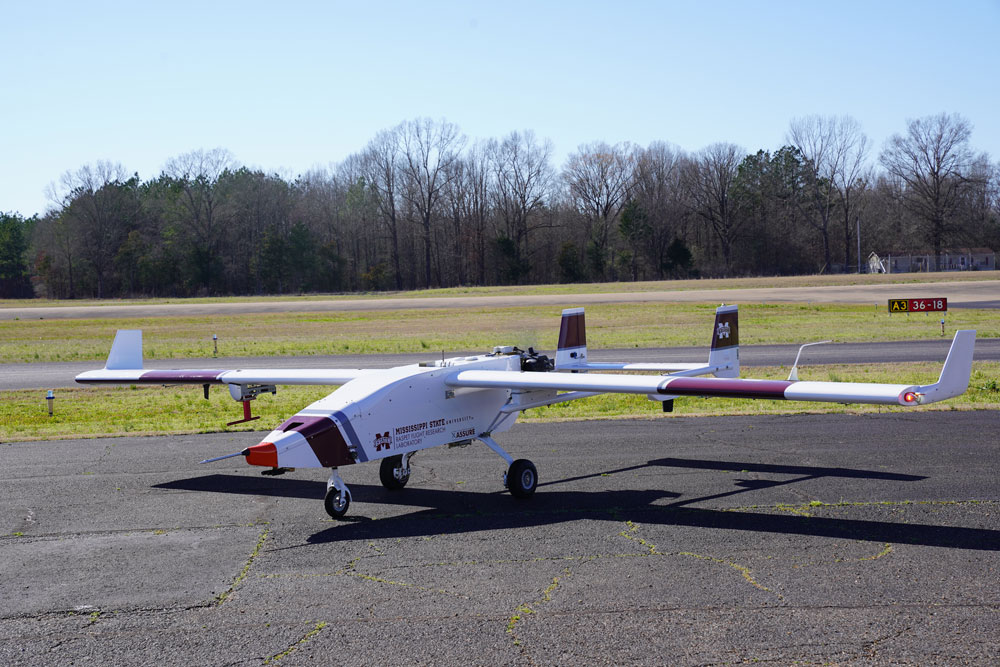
(264, 454)
(304, 441)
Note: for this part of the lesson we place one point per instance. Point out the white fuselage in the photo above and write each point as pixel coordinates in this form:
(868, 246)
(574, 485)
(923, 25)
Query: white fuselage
(395, 411)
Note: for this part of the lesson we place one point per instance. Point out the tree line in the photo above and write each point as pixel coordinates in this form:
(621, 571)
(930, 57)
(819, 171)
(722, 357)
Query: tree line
(422, 206)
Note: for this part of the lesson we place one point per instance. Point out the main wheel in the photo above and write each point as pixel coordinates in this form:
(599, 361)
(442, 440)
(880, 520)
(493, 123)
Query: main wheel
(336, 503)
(387, 472)
(522, 478)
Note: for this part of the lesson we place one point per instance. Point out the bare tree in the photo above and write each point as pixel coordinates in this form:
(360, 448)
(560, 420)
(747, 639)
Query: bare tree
(353, 240)
(522, 185)
(429, 151)
(935, 162)
(659, 193)
(102, 203)
(196, 174)
(837, 150)
(455, 196)
(709, 177)
(599, 180)
(477, 205)
(382, 167)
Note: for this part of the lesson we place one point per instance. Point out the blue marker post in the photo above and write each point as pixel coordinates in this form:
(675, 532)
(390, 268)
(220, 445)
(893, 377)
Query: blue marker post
(50, 397)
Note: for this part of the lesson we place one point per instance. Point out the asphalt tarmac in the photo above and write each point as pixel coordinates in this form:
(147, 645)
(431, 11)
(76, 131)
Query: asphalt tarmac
(50, 375)
(834, 539)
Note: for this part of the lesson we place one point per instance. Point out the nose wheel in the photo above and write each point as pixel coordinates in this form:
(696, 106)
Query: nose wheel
(338, 496)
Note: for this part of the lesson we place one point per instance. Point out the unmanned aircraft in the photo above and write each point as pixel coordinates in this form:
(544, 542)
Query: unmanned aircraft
(390, 414)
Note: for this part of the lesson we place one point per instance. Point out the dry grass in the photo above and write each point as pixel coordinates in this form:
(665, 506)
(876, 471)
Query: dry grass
(569, 289)
(475, 329)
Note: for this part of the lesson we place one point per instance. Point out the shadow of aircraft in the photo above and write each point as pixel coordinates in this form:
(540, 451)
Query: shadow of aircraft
(456, 512)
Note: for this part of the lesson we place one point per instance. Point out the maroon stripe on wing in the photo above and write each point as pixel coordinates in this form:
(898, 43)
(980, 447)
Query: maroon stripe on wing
(181, 376)
(726, 388)
(323, 436)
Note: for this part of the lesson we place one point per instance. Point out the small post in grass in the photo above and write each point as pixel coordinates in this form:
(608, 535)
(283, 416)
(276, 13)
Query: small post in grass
(50, 398)
(215, 345)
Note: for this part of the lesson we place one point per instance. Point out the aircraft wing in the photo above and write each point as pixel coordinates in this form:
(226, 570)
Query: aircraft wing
(124, 366)
(301, 376)
(953, 381)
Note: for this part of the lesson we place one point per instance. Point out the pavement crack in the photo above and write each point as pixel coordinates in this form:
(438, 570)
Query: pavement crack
(631, 533)
(351, 570)
(872, 648)
(128, 531)
(222, 597)
(297, 645)
(886, 550)
(742, 569)
(631, 528)
(527, 609)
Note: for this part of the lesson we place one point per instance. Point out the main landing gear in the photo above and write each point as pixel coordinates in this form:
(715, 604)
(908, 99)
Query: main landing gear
(521, 478)
(394, 471)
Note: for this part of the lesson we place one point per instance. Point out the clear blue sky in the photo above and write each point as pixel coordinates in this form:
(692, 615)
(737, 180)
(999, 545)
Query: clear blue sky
(289, 86)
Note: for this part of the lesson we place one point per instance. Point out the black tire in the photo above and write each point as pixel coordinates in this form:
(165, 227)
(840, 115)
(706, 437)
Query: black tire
(522, 478)
(332, 503)
(389, 481)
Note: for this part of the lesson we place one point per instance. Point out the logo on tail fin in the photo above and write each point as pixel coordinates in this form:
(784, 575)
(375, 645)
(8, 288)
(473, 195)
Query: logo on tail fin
(722, 330)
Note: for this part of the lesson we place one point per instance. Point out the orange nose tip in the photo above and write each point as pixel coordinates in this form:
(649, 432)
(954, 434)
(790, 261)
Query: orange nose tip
(264, 454)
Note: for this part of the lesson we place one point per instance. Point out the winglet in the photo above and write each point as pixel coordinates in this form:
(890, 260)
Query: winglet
(957, 369)
(126, 351)
(572, 350)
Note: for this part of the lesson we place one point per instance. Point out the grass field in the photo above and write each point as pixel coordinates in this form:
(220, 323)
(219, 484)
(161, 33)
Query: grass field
(82, 412)
(478, 330)
(569, 289)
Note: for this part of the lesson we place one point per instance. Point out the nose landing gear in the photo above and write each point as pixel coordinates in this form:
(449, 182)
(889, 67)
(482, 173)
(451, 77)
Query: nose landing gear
(338, 496)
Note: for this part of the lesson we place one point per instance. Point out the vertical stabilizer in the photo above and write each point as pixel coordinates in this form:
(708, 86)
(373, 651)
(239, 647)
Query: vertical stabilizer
(726, 342)
(126, 351)
(572, 350)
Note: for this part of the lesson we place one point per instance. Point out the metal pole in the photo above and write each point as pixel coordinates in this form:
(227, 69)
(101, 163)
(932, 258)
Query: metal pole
(857, 222)
(50, 398)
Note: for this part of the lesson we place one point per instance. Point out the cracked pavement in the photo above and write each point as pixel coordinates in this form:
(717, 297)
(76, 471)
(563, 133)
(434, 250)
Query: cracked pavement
(844, 539)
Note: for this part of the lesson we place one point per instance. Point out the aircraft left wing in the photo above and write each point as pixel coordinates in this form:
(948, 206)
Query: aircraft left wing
(954, 380)
(125, 366)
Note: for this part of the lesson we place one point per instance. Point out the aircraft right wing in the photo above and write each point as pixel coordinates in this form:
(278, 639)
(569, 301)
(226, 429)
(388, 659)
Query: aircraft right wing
(953, 381)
